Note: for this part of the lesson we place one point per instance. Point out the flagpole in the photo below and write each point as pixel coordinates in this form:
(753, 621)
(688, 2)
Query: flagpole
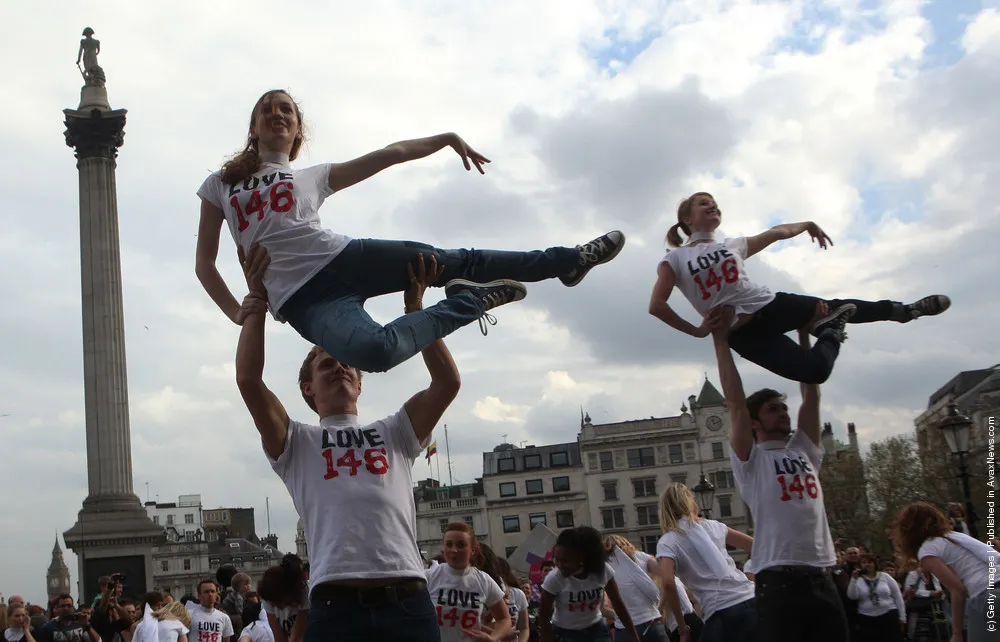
(447, 450)
(439, 468)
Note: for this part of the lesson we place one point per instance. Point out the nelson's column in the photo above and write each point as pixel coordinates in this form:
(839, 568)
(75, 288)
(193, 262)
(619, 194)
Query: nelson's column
(112, 533)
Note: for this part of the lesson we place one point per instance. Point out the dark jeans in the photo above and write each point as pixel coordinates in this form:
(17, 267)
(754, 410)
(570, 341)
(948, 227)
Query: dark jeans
(799, 608)
(412, 618)
(596, 633)
(763, 339)
(692, 620)
(329, 309)
(737, 623)
(648, 632)
(884, 628)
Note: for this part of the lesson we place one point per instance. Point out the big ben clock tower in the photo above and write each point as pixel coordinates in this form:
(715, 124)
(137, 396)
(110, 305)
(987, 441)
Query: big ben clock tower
(57, 577)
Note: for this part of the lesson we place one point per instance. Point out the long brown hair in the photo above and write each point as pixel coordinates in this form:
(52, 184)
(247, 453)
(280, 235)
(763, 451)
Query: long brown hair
(683, 211)
(916, 524)
(247, 162)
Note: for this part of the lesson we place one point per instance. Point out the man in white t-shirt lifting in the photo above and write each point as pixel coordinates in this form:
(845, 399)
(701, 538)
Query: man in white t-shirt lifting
(778, 476)
(351, 482)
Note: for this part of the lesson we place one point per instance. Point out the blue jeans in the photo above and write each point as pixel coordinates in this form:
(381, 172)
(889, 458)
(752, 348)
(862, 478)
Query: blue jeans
(737, 623)
(595, 633)
(329, 309)
(975, 620)
(410, 619)
(651, 632)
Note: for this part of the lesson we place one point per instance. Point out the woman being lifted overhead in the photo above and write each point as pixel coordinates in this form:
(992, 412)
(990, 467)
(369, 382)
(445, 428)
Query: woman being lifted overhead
(710, 273)
(318, 280)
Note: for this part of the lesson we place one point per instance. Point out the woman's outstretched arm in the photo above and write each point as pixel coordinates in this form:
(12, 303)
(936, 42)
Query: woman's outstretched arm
(784, 231)
(209, 229)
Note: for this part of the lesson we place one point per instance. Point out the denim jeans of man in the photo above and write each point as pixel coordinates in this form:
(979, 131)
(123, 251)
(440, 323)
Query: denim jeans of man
(596, 633)
(412, 618)
(736, 623)
(648, 632)
(794, 607)
(329, 309)
(763, 339)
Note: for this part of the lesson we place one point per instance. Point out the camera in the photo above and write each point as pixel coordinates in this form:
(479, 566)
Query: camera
(117, 579)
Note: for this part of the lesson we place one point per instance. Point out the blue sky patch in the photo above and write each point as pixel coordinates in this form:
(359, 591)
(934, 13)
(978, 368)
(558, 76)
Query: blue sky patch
(620, 52)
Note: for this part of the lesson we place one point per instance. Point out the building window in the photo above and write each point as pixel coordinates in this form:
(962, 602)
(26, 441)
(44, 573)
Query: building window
(676, 453)
(639, 457)
(156, 519)
(443, 493)
(238, 562)
(466, 492)
(723, 479)
(613, 517)
(512, 524)
(165, 565)
(717, 452)
(647, 515)
(559, 458)
(725, 506)
(189, 518)
(560, 484)
(468, 520)
(213, 563)
(610, 491)
(648, 543)
(509, 551)
(533, 486)
(187, 565)
(508, 489)
(532, 461)
(564, 519)
(443, 523)
(170, 520)
(644, 487)
(679, 478)
(607, 460)
(188, 589)
(505, 465)
(536, 518)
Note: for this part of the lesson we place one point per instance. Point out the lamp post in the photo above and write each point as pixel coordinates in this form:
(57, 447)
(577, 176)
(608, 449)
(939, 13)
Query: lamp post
(956, 428)
(704, 492)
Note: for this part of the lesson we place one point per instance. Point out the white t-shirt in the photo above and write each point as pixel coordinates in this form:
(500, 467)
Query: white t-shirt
(877, 597)
(517, 603)
(636, 587)
(916, 580)
(208, 626)
(971, 566)
(577, 601)
(286, 615)
(257, 631)
(352, 485)
(170, 630)
(712, 274)
(780, 484)
(461, 598)
(278, 207)
(686, 606)
(714, 591)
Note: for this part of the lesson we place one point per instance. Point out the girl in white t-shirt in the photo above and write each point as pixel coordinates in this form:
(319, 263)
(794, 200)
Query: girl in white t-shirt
(285, 593)
(573, 593)
(257, 628)
(694, 549)
(880, 603)
(517, 603)
(710, 273)
(924, 532)
(462, 593)
(319, 280)
(172, 623)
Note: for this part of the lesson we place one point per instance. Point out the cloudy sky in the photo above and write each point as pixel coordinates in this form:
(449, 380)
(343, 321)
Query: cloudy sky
(875, 118)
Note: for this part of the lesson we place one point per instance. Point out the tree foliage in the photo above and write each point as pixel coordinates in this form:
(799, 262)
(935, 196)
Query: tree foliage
(895, 478)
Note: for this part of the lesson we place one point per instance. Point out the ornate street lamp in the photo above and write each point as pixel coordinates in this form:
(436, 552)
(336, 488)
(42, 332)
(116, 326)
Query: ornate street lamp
(956, 428)
(704, 492)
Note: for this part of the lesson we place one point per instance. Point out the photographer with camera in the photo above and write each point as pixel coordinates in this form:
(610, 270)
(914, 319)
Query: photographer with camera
(111, 618)
(69, 624)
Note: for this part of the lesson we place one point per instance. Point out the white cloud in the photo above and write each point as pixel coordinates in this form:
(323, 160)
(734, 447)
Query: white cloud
(495, 410)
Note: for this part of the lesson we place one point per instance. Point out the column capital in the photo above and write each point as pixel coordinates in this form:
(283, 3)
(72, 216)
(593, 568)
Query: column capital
(95, 133)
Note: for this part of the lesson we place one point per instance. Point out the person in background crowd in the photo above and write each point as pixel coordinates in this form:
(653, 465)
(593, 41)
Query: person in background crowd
(173, 623)
(102, 584)
(925, 607)
(256, 627)
(517, 603)
(634, 577)
(38, 620)
(925, 533)
(235, 599)
(110, 618)
(68, 625)
(850, 561)
(18, 628)
(881, 612)
(208, 623)
(284, 591)
(154, 601)
(956, 513)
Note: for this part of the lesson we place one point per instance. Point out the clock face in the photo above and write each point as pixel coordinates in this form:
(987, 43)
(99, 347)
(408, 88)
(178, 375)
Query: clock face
(714, 422)
(54, 582)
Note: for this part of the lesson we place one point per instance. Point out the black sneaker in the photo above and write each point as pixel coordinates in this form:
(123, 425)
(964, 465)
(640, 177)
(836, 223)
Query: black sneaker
(926, 307)
(600, 250)
(492, 294)
(835, 322)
